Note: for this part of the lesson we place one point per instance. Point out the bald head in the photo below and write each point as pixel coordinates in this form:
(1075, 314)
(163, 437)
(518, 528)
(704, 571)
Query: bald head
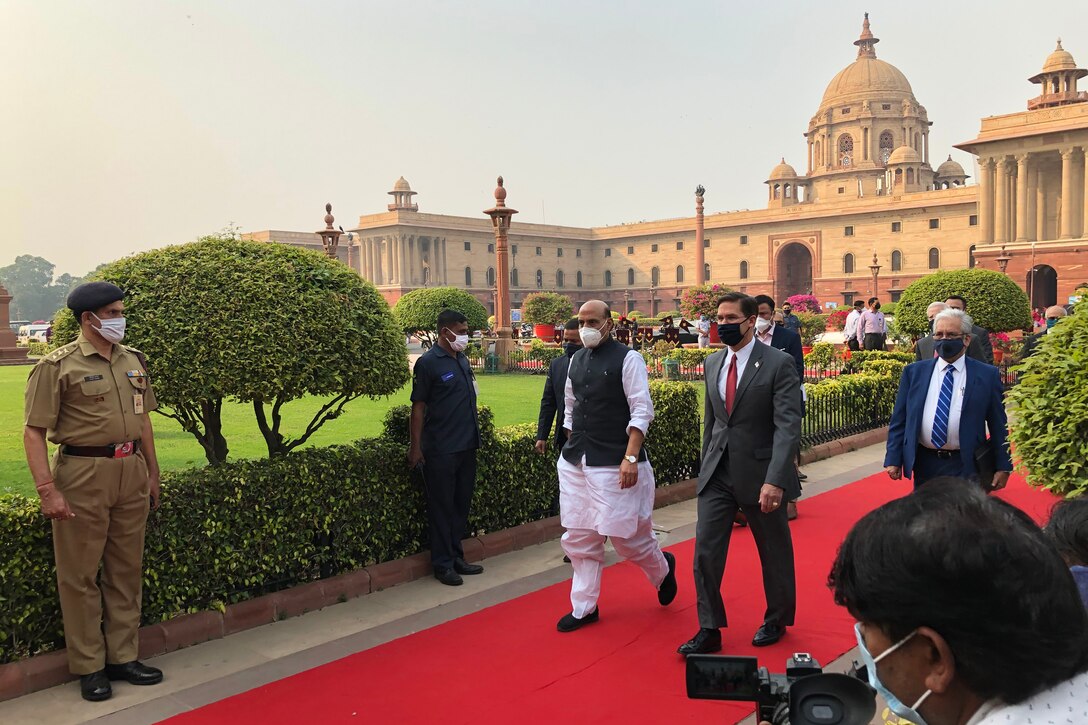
(594, 313)
(1056, 312)
(934, 308)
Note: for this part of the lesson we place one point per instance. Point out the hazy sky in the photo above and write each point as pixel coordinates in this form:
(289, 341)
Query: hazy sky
(133, 124)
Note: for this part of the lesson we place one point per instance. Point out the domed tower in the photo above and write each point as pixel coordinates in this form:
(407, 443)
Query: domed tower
(402, 197)
(950, 175)
(1059, 81)
(783, 186)
(867, 111)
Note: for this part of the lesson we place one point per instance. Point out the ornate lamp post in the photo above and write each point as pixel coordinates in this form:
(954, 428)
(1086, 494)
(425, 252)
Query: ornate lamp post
(626, 302)
(653, 299)
(500, 219)
(330, 237)
(1003, 260)
(875, 269)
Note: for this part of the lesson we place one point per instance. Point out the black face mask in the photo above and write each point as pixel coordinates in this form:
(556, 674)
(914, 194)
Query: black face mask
(570, 348)
(948, 349)
(730, 334)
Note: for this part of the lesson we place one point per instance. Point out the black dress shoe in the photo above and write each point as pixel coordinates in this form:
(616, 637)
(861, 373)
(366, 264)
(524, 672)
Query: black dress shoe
(448, 577)
(95, 686)
(566, 559)
(706, 641)
(801, 476)
(667, 591)
(768, 634)
(569, 622)
(740, 519)
(134, 673)
(463, 567)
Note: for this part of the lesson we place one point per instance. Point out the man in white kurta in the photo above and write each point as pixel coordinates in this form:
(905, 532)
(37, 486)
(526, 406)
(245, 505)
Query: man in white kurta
(606, 482)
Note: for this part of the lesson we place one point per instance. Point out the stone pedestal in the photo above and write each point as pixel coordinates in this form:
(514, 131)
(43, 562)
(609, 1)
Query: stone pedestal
(9, 353)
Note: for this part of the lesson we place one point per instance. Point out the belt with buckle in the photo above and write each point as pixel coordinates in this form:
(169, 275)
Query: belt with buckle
(114, 450)
(940, 453)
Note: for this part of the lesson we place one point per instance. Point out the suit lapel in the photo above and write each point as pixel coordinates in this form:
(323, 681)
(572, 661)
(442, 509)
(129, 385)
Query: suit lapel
(751, 369)
(712, 379)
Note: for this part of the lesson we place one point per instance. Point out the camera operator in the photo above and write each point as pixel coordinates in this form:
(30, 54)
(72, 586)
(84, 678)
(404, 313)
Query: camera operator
(966, 613)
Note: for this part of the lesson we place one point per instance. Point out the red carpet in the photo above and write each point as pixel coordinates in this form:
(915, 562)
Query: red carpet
(507, 663)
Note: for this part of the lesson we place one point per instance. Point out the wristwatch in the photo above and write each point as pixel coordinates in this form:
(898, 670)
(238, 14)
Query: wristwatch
(631, 459)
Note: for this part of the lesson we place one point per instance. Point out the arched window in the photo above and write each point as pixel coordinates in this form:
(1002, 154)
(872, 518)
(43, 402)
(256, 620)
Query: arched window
(897, 261)
(679, 274)
(971, 257)
(655, 275)
(490, 276)
(558, 278)
(898, 178)
(630, 275)
(934, 258)
(706, 272)
(819, 159)
(608, 278)
(514, 277)
(887, 145)
(848, 263)
(539, 279)
(918, 142)
(910, 176)
(777, 191)
(578, 280)
(744, 269)
(846, 150)
(468, 276)
(789, 191)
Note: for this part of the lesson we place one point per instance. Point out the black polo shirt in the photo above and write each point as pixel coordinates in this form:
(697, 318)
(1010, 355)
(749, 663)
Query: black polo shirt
(445, 384)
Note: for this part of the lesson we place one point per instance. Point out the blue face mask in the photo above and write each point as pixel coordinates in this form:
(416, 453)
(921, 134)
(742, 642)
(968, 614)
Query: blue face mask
(894, 703)
(948, 349)
(1051, 321)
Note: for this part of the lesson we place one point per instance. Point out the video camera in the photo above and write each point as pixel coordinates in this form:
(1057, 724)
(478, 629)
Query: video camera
(804, 695)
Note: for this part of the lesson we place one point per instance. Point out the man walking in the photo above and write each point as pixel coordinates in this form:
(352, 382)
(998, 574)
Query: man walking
(445, 437)
(751, 434)
(943, 409)
(92, 398)
(1053, 314)
(924, 349)
(981, 335)
(606, 483)
(552, 401)
(790, 321)
(872, 327)
(850, 331)
(702, 325)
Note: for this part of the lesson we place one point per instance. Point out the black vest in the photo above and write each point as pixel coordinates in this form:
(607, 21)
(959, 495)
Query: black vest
(601, 414)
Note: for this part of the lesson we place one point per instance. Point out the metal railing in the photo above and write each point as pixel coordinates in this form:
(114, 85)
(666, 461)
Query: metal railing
(838, 414)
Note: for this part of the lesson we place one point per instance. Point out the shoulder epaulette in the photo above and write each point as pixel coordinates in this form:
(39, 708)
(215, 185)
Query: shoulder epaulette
(60, 353)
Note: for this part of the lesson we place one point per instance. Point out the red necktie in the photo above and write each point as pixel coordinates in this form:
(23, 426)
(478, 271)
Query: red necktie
(731, 384)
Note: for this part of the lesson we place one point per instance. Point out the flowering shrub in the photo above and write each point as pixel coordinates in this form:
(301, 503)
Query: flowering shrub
(805, 303)
(837, 319)
(702, 300)
(1001, 341)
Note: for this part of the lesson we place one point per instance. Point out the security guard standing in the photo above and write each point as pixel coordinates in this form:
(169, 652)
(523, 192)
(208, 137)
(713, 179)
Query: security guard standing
(92, 398)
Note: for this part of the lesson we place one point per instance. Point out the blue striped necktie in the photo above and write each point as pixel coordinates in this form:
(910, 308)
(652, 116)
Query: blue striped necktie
(944, 404)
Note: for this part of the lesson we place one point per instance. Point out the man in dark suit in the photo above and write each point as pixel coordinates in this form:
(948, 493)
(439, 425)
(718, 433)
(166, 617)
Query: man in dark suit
(943, 409)
(751, 434)
(956, 302)
(1053, 314)
(923, 349)
(551, 402)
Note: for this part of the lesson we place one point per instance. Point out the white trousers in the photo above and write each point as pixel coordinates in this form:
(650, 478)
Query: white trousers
(593, 507)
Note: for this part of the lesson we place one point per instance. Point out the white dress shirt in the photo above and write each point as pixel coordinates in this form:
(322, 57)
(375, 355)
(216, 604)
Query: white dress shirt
(851, 329)
(929, 412)
(636, 386)
(766, 338)
(742, 356)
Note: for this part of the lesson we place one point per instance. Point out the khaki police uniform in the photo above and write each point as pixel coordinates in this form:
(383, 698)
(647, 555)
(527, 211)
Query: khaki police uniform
(84, 400)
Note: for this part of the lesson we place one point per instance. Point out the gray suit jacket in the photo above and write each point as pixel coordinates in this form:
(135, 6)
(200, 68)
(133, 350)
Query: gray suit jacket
(923, 350)
(763, 433)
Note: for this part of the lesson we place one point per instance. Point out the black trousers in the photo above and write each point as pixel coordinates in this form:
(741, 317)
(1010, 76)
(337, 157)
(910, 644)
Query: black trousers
(717, 506)
(852, 343)
(448, 481)
(929, 464)
(874, 341)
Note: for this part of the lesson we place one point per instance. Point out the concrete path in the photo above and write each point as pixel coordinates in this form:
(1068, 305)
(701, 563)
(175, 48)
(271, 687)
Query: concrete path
(215, 670)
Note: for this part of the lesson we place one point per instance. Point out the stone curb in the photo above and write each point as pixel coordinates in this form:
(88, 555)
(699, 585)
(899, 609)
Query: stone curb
(48, 670)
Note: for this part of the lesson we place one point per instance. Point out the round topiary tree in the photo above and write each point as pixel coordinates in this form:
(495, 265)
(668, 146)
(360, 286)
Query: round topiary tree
(702, 299)
(226, 319)
(417, 311)
(805, 303)
(1049, 408)
(546, 308)
(994, 301)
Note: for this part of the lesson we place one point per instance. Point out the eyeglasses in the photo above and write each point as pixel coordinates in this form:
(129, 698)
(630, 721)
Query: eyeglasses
(944, 336)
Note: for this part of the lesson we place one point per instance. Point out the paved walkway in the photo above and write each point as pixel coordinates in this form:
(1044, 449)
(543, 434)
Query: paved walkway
(205, 673)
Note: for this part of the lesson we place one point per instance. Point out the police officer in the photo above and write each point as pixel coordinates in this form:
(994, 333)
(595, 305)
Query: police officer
(92, 398)
(445, 437)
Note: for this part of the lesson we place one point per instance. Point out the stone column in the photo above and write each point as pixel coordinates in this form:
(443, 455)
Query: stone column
(1040, 206)
(366, 261)
(388, 276)
(1001, 207)
(442, 261)
(413, 259)
(1033, 202)
(925, 143)
(1084, 201)
(1022, 198)
(986, 200)
(395, 242)
(1069, 206)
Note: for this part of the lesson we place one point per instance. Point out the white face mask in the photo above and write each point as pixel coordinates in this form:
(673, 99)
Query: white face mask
(763, 325)
(459, 342)
(111, 330)
(591, 336)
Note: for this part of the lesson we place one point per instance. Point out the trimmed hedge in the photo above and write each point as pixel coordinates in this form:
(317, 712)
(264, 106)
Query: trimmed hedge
(994, 301)
(860, 357)
(232, 532)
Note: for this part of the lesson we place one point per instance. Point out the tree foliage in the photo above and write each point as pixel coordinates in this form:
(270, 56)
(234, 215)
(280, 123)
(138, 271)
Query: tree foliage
(35, 294)
(416, 313)
(805, 303)
(994, 301)
(260, 323)
(701, 299)
(1049, 408)
(546, 308)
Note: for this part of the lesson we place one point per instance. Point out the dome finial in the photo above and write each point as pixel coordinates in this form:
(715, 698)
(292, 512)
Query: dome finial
(866, 40)
(1059, 45)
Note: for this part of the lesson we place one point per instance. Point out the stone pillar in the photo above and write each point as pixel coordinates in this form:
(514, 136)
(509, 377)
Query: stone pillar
(925, 143)
(700, 235)
(388, 276)
(365, 259)
(440, 260)
(1084, 201)
(10, 352)
(986, 200)
(1022, 198)
(1069, 203)
(1040, 206)
(1033, 202)
(1001, 207)
(394, 241)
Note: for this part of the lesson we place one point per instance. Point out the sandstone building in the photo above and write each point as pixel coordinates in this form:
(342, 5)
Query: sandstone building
(870, 199)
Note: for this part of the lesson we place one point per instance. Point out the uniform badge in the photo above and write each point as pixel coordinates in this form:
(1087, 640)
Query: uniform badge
(91, 378)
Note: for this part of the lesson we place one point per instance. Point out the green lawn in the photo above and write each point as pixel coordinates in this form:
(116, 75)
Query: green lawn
(513, 399)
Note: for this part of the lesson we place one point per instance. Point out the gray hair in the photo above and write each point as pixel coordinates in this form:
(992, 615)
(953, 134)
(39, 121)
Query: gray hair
(965, 322)
(936, 306)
